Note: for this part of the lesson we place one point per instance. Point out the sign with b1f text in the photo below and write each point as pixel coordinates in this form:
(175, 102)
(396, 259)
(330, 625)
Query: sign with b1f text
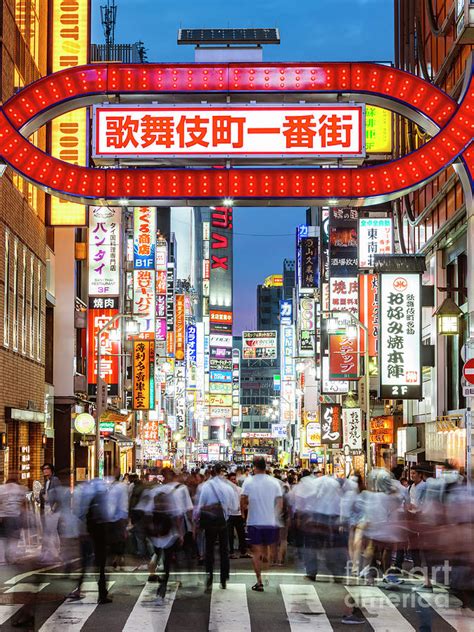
(400, 336)
(138, 131)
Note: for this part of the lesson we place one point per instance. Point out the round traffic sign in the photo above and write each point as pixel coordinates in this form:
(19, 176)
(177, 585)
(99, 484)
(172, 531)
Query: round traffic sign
(468, 371)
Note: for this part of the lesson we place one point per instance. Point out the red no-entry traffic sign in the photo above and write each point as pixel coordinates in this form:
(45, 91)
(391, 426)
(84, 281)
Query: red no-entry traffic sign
(468, 371)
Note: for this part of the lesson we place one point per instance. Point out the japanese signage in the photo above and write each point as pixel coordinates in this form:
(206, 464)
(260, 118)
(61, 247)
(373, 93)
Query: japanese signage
(259, 345)
(144, 238)
(98, 317)
(286, 312)
(221, 259)
(307, 321)
(288, 351)
(236, 387)
(220, 400)
(378, 130)
(170, 310)
(336, 387)
(369, 310)
(221, 388)
(330, 424)
(220, 316)
(150, 431)
(381, 429)
(324, 257)
(70, 46)
(343, 357)
(279, 431)
(344, 294)
(220, 376)
(375, 238)
(400, 336)
(221, 364)
(128, 131)
(180, 395)
(180, 323)
(220, 340)
(343, 260)
(191, 346)
(312, 431)
(143, 375)
(309, 264)
(144, 298)
(104, 250)
(352, 429)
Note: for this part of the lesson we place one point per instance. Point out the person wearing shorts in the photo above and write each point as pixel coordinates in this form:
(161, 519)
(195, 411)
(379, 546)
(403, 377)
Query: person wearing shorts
(261, 503)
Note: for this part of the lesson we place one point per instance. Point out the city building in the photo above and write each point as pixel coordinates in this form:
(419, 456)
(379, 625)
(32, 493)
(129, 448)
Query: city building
(434, 41)
(269, 295)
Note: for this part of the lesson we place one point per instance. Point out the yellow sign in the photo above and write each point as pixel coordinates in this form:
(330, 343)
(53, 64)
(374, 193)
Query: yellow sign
(378, 130)
(274, 280)
(68, 132)
(143, 374)
(312, 430)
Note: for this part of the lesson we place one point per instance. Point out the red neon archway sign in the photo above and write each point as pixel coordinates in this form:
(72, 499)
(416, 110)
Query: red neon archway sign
(377, 84)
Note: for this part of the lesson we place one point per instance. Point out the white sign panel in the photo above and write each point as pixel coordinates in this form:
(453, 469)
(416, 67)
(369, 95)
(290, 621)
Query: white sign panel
(137, 131)
(328, 386)
(352, 428)
(220, 340)
(104, 250)
(344, 294)
(375, 238)
(400, 336)
(259, 345)
(144, 298)
(279, 431)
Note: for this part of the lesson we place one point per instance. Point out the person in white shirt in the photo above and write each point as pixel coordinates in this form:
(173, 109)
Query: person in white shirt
(261, 503)
(236, 522)
(215, 503)
(117, 499)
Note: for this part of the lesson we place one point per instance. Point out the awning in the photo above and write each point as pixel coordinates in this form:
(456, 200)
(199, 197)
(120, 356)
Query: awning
(412, 456)
(123, 442)
(112, 415)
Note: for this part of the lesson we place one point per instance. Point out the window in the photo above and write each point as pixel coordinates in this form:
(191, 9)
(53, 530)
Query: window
(32, 305)
(6, 292)
(16, 299)
(39, 320)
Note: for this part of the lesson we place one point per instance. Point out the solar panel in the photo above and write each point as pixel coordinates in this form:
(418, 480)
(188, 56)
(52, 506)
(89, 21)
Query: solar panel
(228, 36)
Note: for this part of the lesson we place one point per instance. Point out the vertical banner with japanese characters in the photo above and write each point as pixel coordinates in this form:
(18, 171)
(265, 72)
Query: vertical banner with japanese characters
(375, 238)
(311, 433)
(343, 357)
(343, 260)
(369, 311)
(180, 327)
(400, 336)
(143, 397)
(161, 264)
(104, 250)
(307, 327)
(331, 424)
(144, 244)
(191, 355)
(309, 264)
(352, 429)
(101, 311)
(170, 277)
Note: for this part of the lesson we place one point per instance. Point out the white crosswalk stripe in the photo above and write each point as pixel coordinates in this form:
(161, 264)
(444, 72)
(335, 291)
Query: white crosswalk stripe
(229, 609)
(146, 615)
(72, 615)
(304, 609)
(381, 613)
(8, 610)
(461, 619)
(27, 587)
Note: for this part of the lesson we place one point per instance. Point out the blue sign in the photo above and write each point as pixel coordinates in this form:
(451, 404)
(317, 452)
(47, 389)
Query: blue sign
(220, 376)
(286, 312)
(302, 231)
(191, 343)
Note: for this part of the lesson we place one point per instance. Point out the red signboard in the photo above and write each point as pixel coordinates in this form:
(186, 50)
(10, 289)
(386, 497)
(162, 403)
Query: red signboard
(468, 371)
(109, 362)
(343, 357)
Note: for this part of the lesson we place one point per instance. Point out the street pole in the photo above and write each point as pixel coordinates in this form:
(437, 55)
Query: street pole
(367, 397)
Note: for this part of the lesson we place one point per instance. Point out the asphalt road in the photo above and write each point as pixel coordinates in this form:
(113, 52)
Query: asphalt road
(289, 603)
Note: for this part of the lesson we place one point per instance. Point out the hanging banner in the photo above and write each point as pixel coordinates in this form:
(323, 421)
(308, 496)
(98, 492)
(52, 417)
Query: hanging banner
(352, 429)
(400, 336)
(307, 322)
(369, 311)
(343, 259)
(144, 299)
(375, 238)
(309, 264)
(170, 310)
(343, 357)
(104, 250)
(144, 237)
(344, 294)
(180, 327)
(101, 311)
(331, 424)
(143, 397)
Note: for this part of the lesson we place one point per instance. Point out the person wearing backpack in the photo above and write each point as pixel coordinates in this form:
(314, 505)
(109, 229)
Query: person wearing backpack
(216, 502)
(165, 527)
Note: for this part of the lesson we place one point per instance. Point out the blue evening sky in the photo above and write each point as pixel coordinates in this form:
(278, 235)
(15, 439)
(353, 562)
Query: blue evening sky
(310, 30)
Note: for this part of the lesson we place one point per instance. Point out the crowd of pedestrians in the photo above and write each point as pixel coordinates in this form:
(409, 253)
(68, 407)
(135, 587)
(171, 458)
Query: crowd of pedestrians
(385, 528)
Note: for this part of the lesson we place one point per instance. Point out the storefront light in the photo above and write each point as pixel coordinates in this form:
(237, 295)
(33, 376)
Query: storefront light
(332, 325)
(351, 331)
(448, 316)
(133, 327)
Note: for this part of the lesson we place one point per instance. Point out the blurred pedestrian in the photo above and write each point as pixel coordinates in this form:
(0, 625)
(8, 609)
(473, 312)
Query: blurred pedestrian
(50, 503)
(12, 511)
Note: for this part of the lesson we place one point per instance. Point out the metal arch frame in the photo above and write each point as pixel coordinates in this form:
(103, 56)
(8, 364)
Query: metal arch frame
(66, 90)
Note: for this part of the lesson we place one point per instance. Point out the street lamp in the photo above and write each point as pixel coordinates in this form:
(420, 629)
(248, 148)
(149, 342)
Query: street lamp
(350, 325)
(448, 316)
(101, 386)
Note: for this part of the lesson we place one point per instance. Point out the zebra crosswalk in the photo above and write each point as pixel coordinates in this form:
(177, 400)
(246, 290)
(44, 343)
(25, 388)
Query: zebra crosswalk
(287, 606)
